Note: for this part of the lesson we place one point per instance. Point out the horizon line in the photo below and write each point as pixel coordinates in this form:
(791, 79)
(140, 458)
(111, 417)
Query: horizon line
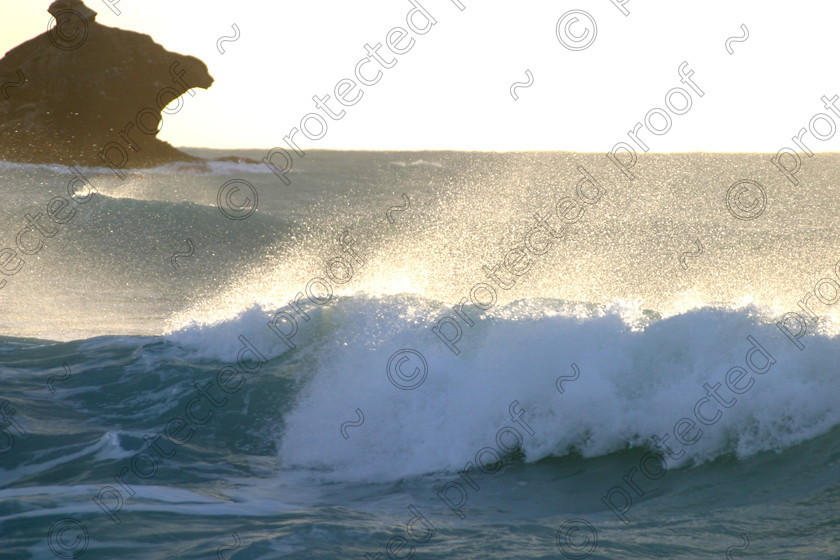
(651, 152)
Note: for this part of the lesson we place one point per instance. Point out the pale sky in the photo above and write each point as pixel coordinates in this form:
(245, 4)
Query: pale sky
(452, 89)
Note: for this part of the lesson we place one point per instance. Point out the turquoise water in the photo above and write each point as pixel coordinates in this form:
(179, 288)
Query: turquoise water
(160, 407)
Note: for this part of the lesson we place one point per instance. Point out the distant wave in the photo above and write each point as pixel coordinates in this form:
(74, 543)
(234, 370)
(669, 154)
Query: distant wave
(177, 167)
(417, 162)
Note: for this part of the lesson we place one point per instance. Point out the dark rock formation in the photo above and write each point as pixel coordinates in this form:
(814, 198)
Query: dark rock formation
(237, 159)
(93, 95)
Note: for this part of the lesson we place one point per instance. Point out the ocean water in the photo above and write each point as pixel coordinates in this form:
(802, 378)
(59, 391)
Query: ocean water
(426, 355)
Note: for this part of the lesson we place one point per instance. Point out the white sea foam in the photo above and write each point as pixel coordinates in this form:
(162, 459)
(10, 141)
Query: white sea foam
(632, 384)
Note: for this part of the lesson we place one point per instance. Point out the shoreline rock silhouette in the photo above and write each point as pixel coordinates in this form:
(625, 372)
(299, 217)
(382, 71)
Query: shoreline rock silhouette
(93, 95)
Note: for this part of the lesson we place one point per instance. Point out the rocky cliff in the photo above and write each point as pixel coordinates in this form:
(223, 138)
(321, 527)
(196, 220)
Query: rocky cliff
(87, 94)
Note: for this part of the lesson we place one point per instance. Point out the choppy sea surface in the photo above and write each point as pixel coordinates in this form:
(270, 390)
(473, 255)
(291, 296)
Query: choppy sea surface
(426, 355)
